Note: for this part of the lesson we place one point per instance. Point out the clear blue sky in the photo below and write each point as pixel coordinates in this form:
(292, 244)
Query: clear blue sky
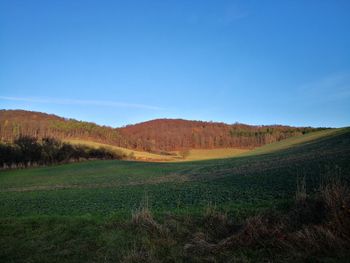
(122, 62)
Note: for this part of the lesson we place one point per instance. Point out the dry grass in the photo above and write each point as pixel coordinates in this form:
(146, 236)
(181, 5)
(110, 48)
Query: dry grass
(142, 218)
(306, 231)
(138, 255)
(216, 223)
(206, 154)
(293, 141)
(336, 196)
(138, 155)
(193, 155)
(314, 228)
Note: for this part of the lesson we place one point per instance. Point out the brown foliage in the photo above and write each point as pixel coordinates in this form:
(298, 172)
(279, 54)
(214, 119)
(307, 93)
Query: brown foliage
(158, 136)
(177, 134)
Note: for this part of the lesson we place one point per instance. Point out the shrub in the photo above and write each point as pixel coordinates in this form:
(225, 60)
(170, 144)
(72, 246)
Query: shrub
(28, 151)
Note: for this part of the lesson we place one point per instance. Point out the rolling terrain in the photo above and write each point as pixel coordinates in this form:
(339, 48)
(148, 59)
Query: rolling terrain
(159, 136)
(103, 187)
(178, 211)
(174, 156)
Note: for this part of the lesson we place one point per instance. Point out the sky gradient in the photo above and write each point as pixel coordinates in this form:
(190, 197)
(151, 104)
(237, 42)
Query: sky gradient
(123, 62)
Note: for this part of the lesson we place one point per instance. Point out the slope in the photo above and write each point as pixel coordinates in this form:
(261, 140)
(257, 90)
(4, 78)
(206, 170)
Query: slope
(240, 184)
(157, 136)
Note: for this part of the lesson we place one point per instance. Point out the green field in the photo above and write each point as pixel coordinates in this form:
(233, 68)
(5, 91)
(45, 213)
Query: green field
(261, 178)
(42, 202)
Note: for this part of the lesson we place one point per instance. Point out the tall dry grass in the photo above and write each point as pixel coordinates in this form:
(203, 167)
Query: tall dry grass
(315, 227)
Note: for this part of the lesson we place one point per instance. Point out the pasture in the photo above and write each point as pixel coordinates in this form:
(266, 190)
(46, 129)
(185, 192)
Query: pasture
(259, 179)
(193, 155)
(79, 212)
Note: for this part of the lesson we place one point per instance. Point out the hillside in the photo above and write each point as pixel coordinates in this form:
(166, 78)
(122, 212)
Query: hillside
(104, 211)
(176, 134)
(309, 156)
(174, 156)
(14, 123)
(157, 136)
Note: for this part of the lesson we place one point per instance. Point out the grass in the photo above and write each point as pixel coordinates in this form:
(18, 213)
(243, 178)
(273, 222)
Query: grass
(240, 183)
(296, 140)
(194, 155)
(81, 212)
(207, 154)
(138, 155)
(313, 230)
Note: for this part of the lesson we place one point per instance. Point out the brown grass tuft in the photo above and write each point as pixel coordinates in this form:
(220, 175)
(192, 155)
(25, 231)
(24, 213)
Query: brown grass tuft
(216, 224)
(313, 240)
(332, 235)
(138, 255)
(143, 219)
(336, 196)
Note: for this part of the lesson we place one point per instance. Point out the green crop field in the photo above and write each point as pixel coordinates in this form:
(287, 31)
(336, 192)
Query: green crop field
(81, 200)
(261, 178)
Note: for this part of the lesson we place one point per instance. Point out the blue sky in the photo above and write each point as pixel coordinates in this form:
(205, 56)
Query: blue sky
(122, 62)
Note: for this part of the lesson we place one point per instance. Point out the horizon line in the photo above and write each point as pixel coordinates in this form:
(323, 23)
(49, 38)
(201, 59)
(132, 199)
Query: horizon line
(167, 118)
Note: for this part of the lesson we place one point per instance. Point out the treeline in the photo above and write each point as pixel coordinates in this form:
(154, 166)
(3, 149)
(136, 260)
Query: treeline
(260, 135)
(158, 136)
(170, 135)
(27, 151)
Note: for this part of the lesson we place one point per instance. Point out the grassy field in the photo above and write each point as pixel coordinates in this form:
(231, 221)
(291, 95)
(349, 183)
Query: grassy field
(203, 154)
(104, 187)
(294, 141)
(77, 212)
(138, 155)
(194, 155)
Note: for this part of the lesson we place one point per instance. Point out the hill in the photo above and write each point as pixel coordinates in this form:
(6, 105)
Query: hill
(174, 156)
(240, 208)
(14, 123)
(275, 166)
(157, 136)
(176, 134)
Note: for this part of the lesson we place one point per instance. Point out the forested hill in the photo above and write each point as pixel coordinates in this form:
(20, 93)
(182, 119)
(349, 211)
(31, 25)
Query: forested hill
(175, 134)
(155, 135)
(14, 123)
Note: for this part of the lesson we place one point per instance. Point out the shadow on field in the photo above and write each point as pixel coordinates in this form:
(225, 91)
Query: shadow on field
(314, 228)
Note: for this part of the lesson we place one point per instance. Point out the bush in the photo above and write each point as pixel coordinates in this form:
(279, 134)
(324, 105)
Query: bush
(28, 151)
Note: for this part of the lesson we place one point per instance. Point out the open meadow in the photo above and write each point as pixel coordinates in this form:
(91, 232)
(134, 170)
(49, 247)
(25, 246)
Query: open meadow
(91, 203)
(193, 154)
